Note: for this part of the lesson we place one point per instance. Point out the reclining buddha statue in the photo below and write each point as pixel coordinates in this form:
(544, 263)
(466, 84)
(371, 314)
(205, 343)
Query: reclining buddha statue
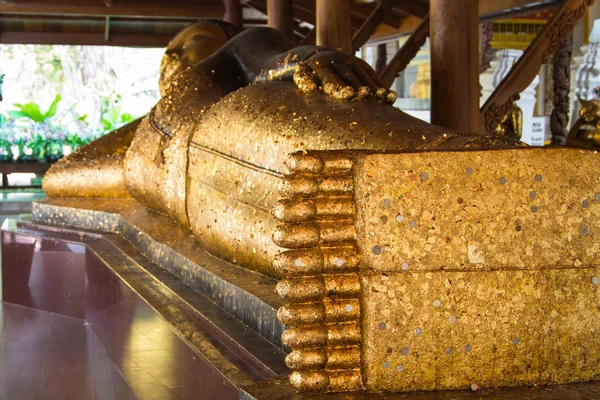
(410, 256)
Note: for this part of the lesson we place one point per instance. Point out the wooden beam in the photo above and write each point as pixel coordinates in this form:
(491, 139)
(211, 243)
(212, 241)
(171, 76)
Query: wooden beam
(84, 39)
(368, 28)
(413, 7)
(539, 52)
(233, 13)
(83, 18)
(309, 39)
(496, 9)
(75, 25)
(491, 10)
(281, 16)
(454, 48)
(305, 10)
(175, 8)
(407, 26)
(407, 52)
(333, 24)
(390, 18)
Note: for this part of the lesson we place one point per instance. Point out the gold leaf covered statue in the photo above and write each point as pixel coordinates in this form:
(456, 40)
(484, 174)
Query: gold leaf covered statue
(411, 257)
(585, 132)
(182, 159)
(512, 123)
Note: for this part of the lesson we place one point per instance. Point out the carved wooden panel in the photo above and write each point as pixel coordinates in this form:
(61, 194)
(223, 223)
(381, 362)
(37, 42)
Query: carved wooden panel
(527, 67)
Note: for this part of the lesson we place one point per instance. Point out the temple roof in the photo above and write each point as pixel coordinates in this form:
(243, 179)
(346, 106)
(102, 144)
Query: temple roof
(151, 23)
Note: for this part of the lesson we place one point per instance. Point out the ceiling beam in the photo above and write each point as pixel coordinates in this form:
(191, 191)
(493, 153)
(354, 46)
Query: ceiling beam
(496, 9)
(175, 8)
(368, 28)
(305, 11)
(407, 52)
(488, 10)
(309, 39)
(411, 7)
(407, 26)
(84, 39)
(390, 18)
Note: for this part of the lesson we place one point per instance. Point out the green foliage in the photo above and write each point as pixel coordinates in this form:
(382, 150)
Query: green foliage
(113, 119)
(75, 141)
(33, 111)
(30, 135)
(1, 82)
(6, 153)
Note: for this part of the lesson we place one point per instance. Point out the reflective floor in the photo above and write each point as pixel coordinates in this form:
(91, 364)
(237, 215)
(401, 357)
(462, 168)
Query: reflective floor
(17, 201)
(45, 355)
(72, 329)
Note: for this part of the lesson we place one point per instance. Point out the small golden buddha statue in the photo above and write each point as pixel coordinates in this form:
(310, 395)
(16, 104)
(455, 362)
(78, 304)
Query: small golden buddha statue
(585, 132)
(512, 123)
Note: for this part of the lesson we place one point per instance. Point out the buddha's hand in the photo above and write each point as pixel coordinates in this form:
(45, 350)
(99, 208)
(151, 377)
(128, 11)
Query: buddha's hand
(341, 76)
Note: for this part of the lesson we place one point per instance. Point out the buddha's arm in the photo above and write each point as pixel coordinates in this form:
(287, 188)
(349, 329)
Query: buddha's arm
(265, 54)
(94, 170)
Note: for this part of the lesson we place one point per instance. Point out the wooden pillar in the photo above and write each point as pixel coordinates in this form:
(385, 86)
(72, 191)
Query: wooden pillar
(233, 12)
(454, 32)
(333, 24)
(561, 73)
(486, 30)
(281, 16)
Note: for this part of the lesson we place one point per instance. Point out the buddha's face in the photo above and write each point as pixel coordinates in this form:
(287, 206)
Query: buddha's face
(193, 44)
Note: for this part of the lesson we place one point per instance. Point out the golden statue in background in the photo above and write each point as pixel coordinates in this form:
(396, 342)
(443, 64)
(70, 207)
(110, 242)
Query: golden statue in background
(585, 132)
(411, 257)
(512, 123)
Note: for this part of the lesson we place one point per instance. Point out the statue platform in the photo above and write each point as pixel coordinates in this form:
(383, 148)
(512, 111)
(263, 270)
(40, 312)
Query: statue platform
(224, 313)
(94, 273)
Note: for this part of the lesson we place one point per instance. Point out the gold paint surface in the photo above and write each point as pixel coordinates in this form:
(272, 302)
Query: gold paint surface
(500, 328)
(478, 267)
(157, 161)
(523, 208)
(94, 170)
(474, 267)
(322, 285)
(237, 156)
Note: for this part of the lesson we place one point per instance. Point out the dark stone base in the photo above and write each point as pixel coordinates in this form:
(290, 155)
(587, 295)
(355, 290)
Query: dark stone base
(247, 295)
(280, 389)
(134, 307)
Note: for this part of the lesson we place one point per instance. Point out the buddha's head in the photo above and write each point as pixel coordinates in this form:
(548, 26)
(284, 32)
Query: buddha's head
(192, 45)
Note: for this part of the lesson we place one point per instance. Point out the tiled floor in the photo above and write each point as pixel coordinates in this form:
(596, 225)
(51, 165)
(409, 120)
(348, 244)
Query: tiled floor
(98, 338)
(49, 356)
(45, 355)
